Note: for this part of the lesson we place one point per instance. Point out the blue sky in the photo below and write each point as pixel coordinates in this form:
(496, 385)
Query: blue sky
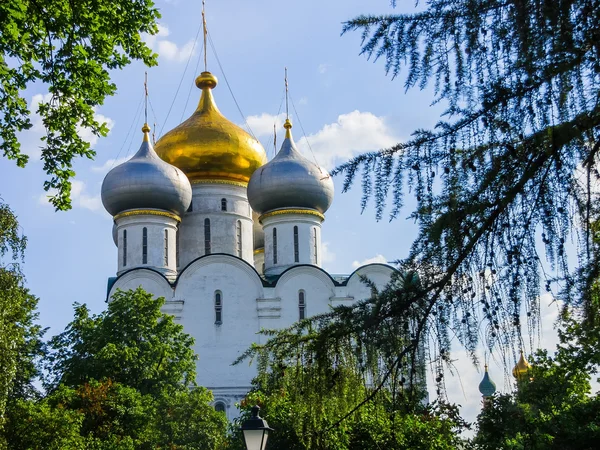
(345, 103)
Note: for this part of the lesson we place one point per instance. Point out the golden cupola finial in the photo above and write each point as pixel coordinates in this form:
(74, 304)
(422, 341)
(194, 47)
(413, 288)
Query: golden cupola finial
(522, 367)
(207, 146)
(288, 129)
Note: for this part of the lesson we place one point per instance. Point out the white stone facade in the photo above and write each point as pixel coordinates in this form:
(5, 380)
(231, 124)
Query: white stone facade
(213, 282)
(248, 304)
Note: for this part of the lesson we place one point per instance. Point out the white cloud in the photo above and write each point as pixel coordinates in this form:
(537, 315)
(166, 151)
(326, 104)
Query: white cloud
(167, 49)
(109, 164)
(87, 135)
(353, 133)
(375, 259)
(80, 198)
(31, 143)
(323, 68)
(327, 256)
(262, 125)
(36, 120)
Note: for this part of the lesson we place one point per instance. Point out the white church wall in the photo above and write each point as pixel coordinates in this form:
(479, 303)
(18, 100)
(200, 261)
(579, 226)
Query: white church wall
(218, 345)
(207, 204)
(317, 286)
(149, 280)
(379, 274)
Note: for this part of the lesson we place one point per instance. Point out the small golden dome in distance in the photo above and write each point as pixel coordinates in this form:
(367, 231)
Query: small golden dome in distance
(522, 367)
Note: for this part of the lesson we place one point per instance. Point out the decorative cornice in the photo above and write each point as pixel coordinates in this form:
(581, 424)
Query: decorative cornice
(147, 212)
(281, 212)
(219, 181)
(259, 250)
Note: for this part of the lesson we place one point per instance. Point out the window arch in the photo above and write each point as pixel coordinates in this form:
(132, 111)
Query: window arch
(207, 236)
(177, 247)
(124, 248)
(223, 204)
(301, 305)
(274, 245)
(238, 232)
(316, 246)
(296, 252)
(145, 246)
(218, 308)
(166, 247)
(220, 407)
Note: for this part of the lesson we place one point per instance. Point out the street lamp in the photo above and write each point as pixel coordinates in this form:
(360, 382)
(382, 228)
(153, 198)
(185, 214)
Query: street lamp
(256, 431)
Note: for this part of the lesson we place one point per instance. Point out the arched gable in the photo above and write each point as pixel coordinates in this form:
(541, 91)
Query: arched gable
(380, 274)
(150, 280)
(216, 261)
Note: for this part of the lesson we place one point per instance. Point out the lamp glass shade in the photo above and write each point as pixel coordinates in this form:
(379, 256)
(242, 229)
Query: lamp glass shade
(256, 439)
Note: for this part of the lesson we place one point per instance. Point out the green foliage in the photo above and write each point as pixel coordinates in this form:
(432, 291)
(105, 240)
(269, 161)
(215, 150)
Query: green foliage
(107, 416)
(379, 339)
(512, 162)
(298, 426)
(19, 334)
(553, 408)
(311, 396)
(122, 379)
(132, 343)
(70, 48)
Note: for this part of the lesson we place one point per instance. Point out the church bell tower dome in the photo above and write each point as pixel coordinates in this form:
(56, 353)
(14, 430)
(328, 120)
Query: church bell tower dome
(290, 180)
(146, 182)
(209, 147)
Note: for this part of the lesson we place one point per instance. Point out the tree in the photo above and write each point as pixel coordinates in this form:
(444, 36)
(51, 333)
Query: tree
(509, 171)
(305, 419)
(122, 379)
(553, 407)
(132, 343)
(20, 336)
(70, 48)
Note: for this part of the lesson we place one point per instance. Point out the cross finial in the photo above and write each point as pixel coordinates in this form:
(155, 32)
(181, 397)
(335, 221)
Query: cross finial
(205, 32)
(287, 108)
(146, 97)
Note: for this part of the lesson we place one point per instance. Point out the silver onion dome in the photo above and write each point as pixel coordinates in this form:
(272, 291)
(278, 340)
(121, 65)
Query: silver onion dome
(290, 180)
(146, 182)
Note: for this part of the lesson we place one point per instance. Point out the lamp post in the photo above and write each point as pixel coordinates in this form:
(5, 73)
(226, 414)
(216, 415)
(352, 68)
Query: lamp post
(256, 431)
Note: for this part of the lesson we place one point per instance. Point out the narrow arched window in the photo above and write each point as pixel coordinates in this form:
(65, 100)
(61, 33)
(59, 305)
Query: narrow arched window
(301, 305)
(296, 252)
(238, 231)
(166, 247)
(207, 236)
(220, 407)
(223, 204)
(274, 245)
(177, 248)
(124, 248)
(145, 246)
(316, 246)
(218, 308)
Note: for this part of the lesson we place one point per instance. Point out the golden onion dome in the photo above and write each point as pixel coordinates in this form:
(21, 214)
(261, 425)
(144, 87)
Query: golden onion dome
(522, 367)
(207, 146)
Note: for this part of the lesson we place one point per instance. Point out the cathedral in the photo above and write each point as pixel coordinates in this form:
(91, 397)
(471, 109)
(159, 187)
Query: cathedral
(230, 240)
